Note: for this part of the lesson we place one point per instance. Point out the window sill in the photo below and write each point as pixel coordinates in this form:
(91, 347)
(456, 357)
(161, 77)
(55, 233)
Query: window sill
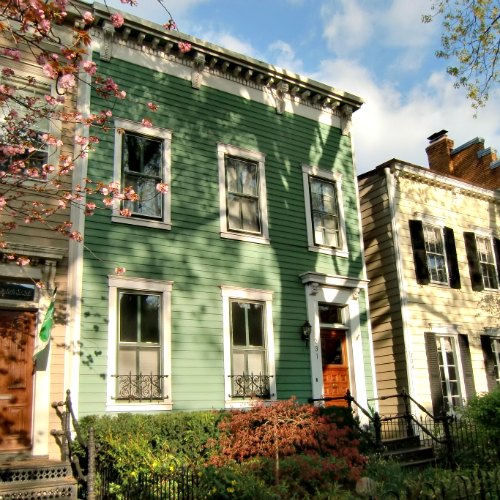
(138, 407)
(329, 251)
(141, 222)
(245, 237)
(246, 403)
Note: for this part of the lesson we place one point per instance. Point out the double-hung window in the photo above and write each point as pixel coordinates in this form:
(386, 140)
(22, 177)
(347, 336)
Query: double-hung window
(142, 162)
(324, 211)
(436, 256)
(242, 191)
(248, 345)
(28, 108)
(487, 262)
(139, 342)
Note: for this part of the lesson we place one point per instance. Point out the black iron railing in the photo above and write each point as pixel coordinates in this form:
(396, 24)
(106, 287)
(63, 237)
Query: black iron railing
(140, 387)
(251, 386)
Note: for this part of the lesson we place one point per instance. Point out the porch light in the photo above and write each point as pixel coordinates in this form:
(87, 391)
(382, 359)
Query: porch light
(306, 331)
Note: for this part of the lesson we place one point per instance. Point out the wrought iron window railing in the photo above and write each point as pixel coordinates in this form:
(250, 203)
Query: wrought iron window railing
(140, 387)
(251, 386)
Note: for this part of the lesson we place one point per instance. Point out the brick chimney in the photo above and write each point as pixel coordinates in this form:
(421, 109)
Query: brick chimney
(470, 162)
(439, 153)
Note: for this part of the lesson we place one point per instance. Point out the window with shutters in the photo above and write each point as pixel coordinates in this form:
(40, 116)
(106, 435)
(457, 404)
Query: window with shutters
(248, 345)
(483, 257)
(326, 231)
(434, 254)
(449, 371)
(142, 161)
(242, 194)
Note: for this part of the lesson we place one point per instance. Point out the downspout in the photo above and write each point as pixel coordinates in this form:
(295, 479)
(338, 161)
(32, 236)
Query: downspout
(403, 296)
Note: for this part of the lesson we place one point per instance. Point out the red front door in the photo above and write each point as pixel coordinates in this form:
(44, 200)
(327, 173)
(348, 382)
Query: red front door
(335, 365)
(17, 335)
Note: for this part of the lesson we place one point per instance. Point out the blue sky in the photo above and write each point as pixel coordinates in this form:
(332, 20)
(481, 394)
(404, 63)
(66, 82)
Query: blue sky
(377, 49)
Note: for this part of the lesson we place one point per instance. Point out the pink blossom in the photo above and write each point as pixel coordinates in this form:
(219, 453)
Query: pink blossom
(121, 95)
(125, 212)
(22, 261)
(81, 140)
(161, 187)
(67, 81)
(49, 71)
(117, 20)
(147, 122)
(170, 25)
(7, 72)
(152, 106)
(90, 67)
(120, 270)
(14, 53)
(184, 47)
(10, 257)
(3, 202)
(6, 90)
(75, 235)
(108, 201)
(88, 17)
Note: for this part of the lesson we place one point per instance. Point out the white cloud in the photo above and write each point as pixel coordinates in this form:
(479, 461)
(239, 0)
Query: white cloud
(348, 26)
(228, 41)
(283, 55)
(393, 125)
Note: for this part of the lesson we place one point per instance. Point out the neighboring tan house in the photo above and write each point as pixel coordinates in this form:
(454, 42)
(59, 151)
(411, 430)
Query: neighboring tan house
(258, 234)
(28, 387)
(432, 253)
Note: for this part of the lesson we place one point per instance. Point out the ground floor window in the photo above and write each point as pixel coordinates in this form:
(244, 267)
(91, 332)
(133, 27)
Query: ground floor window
(139, 341)
(249, 344)
(449, 371)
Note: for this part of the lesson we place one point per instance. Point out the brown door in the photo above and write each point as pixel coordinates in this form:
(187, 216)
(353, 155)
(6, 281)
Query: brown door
(17, 335)
(335, 366)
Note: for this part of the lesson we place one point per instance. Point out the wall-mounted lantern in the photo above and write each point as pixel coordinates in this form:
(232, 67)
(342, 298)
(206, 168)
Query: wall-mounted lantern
(306, 331)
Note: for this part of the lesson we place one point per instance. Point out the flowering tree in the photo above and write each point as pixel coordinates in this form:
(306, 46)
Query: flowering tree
(44, 46)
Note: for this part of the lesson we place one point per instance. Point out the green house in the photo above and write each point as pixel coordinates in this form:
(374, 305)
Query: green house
(245, 280)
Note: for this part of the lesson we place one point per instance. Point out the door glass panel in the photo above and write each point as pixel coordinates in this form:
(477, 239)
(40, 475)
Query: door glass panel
(255, 323)
(255, 363)
(238, 323)
(129, 308)
(238, 363)
(127, 361)
(149, 361)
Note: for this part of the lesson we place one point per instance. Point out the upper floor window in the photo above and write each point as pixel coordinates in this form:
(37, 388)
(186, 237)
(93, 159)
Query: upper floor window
(139, 343)
(248, 345)
(324, 211)
(436, 257)
(242, 187)
(27, 108)
(483, 257)
(142, 161)
(434, 254)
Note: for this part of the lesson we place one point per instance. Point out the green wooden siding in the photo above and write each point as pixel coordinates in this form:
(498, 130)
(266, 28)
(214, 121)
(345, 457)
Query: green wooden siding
(192, 253)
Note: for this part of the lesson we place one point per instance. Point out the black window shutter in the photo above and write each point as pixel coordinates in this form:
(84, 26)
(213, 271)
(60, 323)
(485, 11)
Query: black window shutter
(419, 254)
(496, 245)
(451, 257)
(434, 376)
(474, 265)
(489, 362)
(470, 388)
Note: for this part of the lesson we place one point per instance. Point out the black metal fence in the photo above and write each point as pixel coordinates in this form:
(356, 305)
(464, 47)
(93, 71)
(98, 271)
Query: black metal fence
(181, 483)
(477, 484)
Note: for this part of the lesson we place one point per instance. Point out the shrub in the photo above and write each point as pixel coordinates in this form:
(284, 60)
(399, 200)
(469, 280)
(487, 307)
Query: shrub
(285, 429)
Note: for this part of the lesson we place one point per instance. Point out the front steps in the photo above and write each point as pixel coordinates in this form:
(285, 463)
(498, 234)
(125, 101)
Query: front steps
(409, 452)
(36, 478)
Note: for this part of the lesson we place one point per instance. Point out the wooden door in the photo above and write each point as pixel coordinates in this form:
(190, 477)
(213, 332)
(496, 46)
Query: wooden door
(335, 365)
(17, 335)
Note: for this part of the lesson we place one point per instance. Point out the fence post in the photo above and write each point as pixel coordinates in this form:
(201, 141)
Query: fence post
(408, 418)
(447, 434)
(348, 398)
(66, 425)
(377, 425)
(91, 465)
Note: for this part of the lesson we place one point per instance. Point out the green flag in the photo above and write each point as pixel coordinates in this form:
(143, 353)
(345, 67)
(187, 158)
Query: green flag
(46, 327)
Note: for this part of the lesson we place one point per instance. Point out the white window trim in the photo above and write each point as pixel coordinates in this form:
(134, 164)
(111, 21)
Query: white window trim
(311, 171)
(222, 151)
(265, 296)
(156, 132)
(115, 284)
(429, 223)
(488, 235)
